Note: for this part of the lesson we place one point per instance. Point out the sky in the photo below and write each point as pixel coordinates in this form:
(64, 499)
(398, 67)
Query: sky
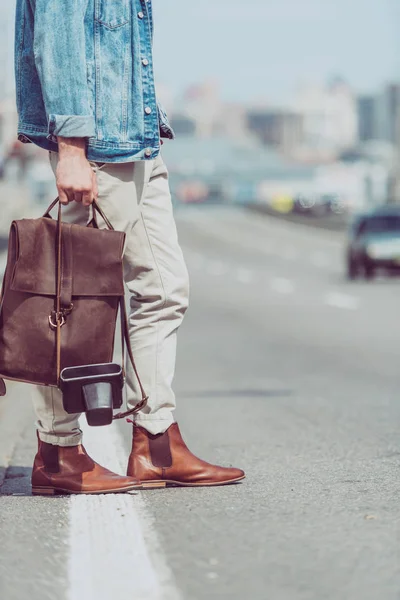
(260, 49)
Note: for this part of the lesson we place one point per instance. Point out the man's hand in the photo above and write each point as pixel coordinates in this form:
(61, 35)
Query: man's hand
(75, 178)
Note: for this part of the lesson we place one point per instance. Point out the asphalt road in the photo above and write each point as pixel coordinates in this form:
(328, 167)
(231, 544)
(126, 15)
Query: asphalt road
(286, 370)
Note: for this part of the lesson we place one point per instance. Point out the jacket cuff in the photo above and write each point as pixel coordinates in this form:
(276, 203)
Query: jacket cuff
(69, 126)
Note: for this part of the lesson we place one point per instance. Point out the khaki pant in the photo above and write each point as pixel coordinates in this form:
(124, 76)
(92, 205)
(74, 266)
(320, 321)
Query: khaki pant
(135, 197)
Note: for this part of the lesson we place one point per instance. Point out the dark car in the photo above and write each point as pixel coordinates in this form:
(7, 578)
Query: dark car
(374, 242)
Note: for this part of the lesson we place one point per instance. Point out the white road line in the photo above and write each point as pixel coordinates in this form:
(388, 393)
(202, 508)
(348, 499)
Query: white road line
(109, 555)
(339, 300)
(244, 275)
(282, 285)
(217, 268)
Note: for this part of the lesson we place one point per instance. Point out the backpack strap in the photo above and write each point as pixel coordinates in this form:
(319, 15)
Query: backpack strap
(126, 343)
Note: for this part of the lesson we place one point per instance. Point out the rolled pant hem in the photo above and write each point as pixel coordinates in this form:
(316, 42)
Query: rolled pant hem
(154, 425)
(56, 440)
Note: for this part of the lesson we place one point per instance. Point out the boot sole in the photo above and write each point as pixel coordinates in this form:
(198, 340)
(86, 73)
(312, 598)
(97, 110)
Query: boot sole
(51, 491)
(163, 483)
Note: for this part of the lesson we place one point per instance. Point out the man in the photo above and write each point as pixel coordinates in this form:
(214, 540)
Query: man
(85, 93)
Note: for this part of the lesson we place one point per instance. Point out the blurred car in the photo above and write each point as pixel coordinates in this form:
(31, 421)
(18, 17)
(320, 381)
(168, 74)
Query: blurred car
(319, 205)
(192, 192)
(374, 242)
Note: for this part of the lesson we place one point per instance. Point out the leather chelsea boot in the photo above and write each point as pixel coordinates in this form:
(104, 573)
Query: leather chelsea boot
(70, 470)
(164, 460)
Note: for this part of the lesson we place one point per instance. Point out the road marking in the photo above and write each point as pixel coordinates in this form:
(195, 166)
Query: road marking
(244, 275)
(339, 300)
(217, 268)
(109, 556)
(282, 285)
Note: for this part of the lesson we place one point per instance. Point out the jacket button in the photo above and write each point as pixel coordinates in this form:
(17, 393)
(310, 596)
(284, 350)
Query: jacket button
(140, 15)
(148, 152)
(145, 62)
(147, 110)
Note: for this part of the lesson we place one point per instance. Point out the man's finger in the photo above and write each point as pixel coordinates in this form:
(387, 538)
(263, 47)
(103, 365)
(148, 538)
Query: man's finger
(63, 196)
(78, 196)
(87, 198)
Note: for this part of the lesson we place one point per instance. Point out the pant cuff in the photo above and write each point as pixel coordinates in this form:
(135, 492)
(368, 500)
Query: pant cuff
(154, 424)
(57, 440)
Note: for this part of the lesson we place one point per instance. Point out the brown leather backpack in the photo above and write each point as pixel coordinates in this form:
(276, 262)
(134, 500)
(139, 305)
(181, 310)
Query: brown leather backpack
(62, 289)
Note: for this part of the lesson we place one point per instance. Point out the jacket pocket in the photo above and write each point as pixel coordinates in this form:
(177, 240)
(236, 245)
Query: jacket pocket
(112, 14)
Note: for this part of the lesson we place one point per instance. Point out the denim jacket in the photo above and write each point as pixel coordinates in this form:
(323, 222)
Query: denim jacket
(84, 68)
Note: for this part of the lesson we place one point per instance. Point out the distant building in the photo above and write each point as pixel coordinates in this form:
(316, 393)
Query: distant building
(232, 122)
(201, 113)
(277, 128)
(366, 106)
(201, 103)
(330, 116)
(388, 113)
(379, 115)
(183, 125)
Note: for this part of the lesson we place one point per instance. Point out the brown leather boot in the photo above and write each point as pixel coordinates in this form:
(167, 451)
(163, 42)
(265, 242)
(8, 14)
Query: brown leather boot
(165, 460)
(70, 470)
